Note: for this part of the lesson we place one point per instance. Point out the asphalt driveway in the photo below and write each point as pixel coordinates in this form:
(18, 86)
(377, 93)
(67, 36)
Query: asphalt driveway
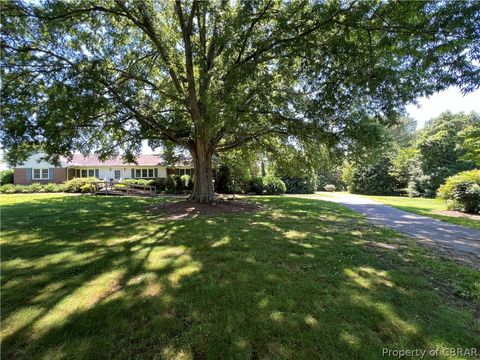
(447, 235)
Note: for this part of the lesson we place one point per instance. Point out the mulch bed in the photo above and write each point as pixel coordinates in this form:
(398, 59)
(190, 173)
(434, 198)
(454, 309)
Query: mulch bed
(454, 213)
(178, 210)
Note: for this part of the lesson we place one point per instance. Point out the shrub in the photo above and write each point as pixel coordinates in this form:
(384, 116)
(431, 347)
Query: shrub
(420, 186)
(137, 181)
(180, 186)
(6, 177)
(171, 184)
(51, 187)
(23, 189)
(191, 183)
(75, 185)
(256, 185)
(85, 188)
(300, 185)
(223, 181)
(273, 185)
(468, 196)
(7, 189)
(330, 188)
(159, 183)
(184, 180)
(348, 171)
(374, 180)
(329, 177)
(32, 188)
(462, 191)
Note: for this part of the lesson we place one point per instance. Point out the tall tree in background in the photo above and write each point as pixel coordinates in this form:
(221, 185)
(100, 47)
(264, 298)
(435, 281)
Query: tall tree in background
(212, 75)
(470, 137)
(441, 147)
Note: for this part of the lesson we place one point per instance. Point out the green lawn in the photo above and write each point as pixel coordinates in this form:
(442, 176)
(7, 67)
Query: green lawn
(98, 277)
(426, 207)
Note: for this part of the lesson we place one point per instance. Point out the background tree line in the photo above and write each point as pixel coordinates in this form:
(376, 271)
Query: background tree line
(399, 160)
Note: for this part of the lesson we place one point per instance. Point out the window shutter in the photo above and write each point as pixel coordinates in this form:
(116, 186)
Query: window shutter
(28, 173)
(156, 172)
(97, 173)
(133, 173)
(50, 173)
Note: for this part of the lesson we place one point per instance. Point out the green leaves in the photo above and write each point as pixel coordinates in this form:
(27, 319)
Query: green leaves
(105, 75)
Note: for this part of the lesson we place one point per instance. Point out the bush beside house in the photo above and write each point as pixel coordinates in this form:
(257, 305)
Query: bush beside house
(32, 188)
(77, 185)
(6, 177)
(176, 184)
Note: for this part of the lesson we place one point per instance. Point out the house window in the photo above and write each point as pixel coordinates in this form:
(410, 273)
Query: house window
(85, 172)
(144, 173)
(40, 174)
(184, 172)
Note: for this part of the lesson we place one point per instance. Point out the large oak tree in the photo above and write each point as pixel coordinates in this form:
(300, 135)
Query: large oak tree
(211, 76)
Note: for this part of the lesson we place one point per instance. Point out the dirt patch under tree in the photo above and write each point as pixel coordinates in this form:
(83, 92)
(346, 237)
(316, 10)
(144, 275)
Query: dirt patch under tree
(177, 210)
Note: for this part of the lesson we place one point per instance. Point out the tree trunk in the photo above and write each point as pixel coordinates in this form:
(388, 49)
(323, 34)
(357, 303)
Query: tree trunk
(203, 191)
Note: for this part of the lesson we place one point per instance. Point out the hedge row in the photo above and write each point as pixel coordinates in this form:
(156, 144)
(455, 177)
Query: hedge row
(174, 184)
(32, 188)
(269, 185)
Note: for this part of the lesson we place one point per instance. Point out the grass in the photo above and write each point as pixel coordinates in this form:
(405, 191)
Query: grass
(99, 277)
(426, 207)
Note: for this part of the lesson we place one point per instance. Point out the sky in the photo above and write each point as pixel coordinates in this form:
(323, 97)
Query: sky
(450, 99)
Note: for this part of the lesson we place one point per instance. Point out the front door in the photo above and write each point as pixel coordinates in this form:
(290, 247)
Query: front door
(117, 174)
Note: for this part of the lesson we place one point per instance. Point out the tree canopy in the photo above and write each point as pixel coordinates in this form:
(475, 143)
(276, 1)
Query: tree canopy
(418, 162)
(211, 76)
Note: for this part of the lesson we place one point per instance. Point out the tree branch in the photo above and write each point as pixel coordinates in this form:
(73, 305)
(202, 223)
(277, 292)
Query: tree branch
(250, 30)
(248, 137)
(186, 28)
(169, 134)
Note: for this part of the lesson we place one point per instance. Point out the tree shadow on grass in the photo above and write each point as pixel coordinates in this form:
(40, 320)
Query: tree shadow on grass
(297, 280)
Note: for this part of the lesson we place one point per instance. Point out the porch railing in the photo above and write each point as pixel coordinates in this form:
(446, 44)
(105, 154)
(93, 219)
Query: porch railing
(121, 188)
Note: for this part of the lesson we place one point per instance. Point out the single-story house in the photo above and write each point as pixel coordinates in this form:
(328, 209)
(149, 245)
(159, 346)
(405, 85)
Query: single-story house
(34, 169)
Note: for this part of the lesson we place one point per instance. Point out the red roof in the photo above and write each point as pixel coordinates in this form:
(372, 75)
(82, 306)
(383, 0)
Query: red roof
(92, 160)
